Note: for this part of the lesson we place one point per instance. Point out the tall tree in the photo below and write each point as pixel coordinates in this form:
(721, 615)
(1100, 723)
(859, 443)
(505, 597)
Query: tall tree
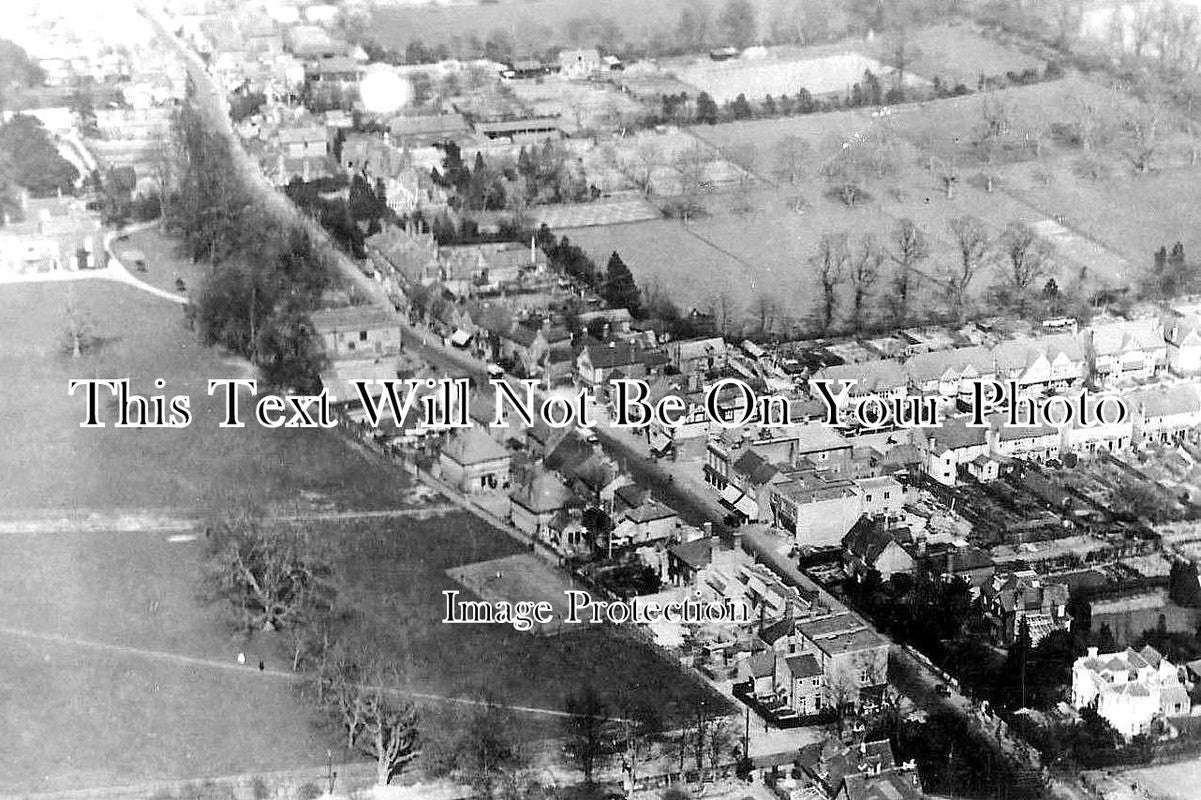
(587, 731)
(866, 266)
(973, 245)
(830, 263)
(706, 109)
(1027, 259)
(910, 248)
(620, 289)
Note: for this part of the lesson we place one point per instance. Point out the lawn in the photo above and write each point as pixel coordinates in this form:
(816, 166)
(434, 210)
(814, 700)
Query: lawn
(101, 693)
(52, 463)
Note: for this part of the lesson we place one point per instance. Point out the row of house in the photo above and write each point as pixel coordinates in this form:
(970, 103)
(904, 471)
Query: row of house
(1156, 414)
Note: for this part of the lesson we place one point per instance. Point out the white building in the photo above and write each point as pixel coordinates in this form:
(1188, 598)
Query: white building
(1128, 689)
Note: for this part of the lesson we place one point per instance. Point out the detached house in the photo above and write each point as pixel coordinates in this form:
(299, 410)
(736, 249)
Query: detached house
(1129, 689)
(358, 332)
(472, 461)
(536, 500)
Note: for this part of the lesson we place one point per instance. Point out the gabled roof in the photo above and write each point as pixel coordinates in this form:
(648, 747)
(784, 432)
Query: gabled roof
(649, 511)
(697, 554)
(757, 469)
(596, 472)
(469, 446)
(866, 539)
(542, 494)
(1166, 402)
(759, 665)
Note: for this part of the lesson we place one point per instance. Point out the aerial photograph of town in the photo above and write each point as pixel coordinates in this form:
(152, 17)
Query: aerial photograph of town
(597, 399)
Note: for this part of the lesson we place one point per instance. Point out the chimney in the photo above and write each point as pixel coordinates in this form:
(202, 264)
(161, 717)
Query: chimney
(1092, 652)
(707, 527)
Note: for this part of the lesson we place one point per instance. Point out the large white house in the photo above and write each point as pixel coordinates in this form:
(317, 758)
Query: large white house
(1129, 688)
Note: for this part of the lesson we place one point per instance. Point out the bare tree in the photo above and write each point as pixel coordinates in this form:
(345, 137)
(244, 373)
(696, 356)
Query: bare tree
(641, 166)
(791, 153)
(271, 577)
(844, 172)
(909, 249)
(829, 262)
(973, 245)
(379, 723)
(720, 743)
(765, 309)
(878, 151)
(692, 164)
(866, 267)
(722, 308)
(992, 134)
(1027, 258)
(1143, 127)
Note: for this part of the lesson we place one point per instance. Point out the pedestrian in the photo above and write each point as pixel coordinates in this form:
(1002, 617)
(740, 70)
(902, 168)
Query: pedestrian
(241, 658)
(262, 666)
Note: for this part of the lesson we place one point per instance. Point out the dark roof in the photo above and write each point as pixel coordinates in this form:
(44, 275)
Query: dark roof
(803, 666)
(755, 467)
(866, 539)
(778, 630)
(697, 554)
(612, 355)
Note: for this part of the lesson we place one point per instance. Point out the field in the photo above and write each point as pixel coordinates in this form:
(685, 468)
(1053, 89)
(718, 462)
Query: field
(755, 243)
(535, 24)
(956, 54)
(1169, 781)
(114, 658)
(778, 73)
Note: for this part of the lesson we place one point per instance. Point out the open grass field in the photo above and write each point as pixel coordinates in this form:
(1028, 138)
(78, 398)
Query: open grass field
(52, 463)
(1103, 230)
(1176, 781)
(1131, 214)
(762, 248)
(956, 54)
(114, 670)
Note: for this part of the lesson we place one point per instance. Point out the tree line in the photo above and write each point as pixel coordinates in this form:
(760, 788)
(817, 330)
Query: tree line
(263, 275)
